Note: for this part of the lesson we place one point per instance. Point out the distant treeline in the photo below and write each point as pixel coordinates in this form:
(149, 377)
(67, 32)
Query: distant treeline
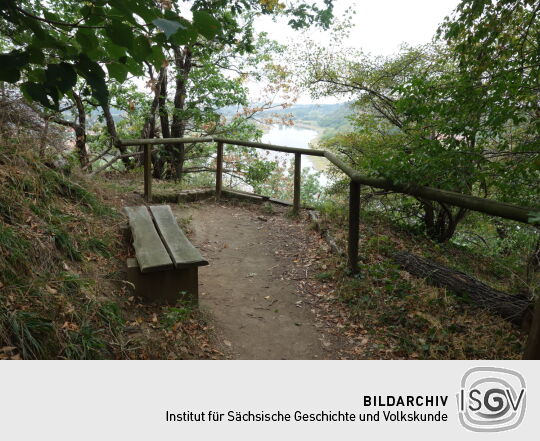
(327, 116)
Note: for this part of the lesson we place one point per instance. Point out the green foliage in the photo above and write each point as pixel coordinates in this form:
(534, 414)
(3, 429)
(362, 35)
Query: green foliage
(72, 283)
(82, 36)
(112, 314)
(534, 218)
(505, 86)
(169, 27)
(446, 115)
(311, 189)
(85, 53)
(121, 35)
(275, 178)
(258, 172)
(35, 191)
(206, 24)
(175, 314)
(324, 276)
(29, 332)
(407, 317)
(45, 221)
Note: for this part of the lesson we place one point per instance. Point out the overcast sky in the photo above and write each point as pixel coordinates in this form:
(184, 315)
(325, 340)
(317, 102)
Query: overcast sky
(380, 26)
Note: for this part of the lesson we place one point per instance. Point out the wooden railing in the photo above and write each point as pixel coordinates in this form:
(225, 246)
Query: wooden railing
(487, 206)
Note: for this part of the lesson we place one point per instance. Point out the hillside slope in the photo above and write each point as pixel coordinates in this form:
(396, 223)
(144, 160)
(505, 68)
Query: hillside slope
(62, 293)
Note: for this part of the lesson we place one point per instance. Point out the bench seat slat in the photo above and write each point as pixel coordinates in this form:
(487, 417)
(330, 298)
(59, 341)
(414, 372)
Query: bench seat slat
(149, 250)
(182, 252)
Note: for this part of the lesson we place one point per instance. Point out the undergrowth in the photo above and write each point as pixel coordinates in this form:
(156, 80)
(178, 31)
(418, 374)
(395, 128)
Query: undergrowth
(62, 293)
(405, 317)
(46, 221)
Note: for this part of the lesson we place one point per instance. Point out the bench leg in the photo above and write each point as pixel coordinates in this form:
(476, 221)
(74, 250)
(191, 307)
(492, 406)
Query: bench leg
(167, 287)
(126, 235)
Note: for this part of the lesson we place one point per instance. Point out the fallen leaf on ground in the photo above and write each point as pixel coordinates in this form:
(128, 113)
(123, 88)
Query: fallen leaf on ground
(70, 326)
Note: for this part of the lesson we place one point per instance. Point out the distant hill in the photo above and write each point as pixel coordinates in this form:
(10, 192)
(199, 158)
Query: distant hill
(321, 115)
(325, 116)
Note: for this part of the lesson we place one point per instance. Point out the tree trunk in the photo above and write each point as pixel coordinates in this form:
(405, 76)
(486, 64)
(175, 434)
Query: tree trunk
(440, 221)
(111, 128)
(182, 59)
(158, 161)
(150, 121)
(162, 105)
(78, 126)
(514, 308)
(80, 145)
(80, 132)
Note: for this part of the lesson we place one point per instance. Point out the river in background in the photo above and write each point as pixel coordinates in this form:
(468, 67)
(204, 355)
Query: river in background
(295, 137)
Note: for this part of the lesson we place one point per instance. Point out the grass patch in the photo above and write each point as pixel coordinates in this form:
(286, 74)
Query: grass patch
(44, 216)
(85, 343)
(98, 246)
(29, 332)
(65, 243)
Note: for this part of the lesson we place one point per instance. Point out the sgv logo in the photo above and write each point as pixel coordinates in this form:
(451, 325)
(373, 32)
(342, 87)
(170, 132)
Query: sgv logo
(491, 399)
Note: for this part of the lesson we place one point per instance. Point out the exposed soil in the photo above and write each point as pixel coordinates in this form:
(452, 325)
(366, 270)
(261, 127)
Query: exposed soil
(260, 287)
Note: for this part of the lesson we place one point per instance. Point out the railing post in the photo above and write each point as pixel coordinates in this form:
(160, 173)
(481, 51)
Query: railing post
(354, 226)
(532, 347)
(147, 172)
(297, 177)
(219, 170)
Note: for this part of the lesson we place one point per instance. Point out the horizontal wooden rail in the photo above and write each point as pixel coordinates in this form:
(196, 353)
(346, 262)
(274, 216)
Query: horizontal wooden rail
(154, 141)
(276, 148)
(349, 171)
(482, 205)
(474, 203)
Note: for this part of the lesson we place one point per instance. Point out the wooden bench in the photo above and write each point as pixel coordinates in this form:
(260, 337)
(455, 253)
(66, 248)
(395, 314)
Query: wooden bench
(166, 265)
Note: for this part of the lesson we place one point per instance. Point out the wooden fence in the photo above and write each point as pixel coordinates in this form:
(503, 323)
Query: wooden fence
(487, 206)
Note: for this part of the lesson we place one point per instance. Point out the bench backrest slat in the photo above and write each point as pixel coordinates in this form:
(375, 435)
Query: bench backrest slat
(181, 251)
(149, 250)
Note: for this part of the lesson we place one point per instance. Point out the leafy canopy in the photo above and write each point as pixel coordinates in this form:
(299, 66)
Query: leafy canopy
(52, 48)
(53, 44)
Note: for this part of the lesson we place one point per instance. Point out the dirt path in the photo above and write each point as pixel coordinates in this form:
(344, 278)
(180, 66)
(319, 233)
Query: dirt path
(250, 287)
